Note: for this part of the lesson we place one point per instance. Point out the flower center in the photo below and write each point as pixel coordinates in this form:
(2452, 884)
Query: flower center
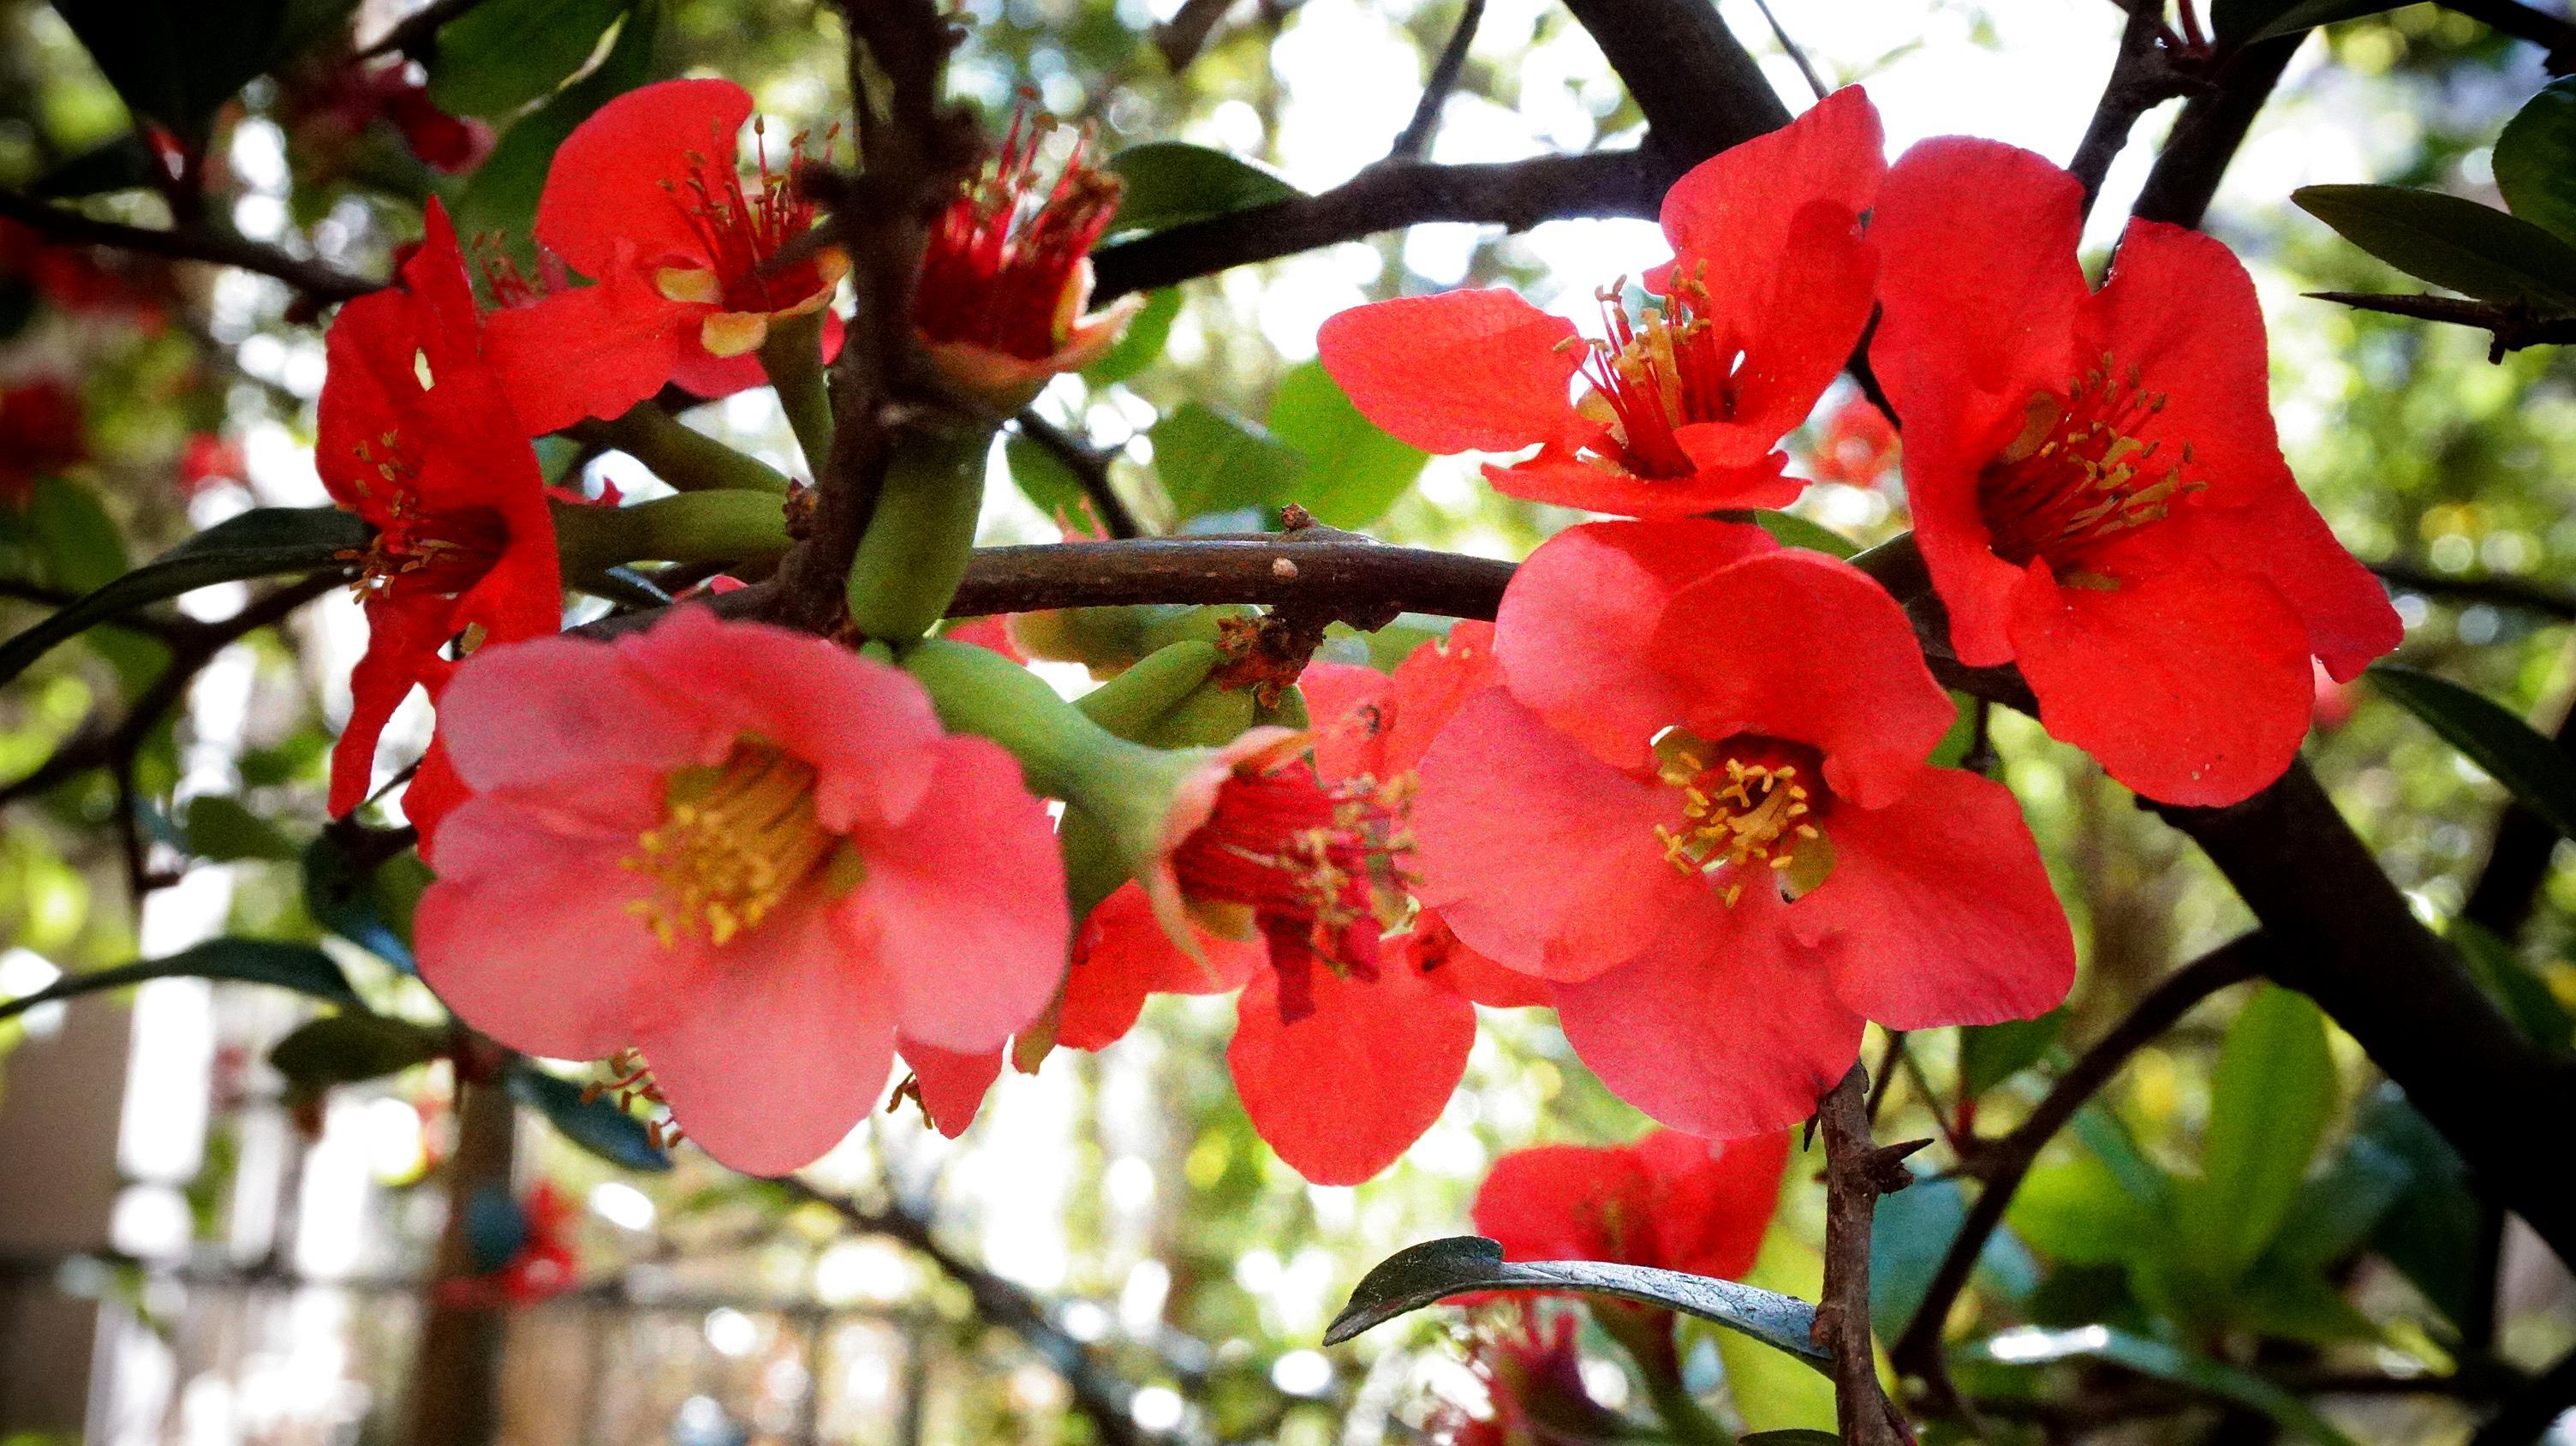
(1307, 861)
(2077, 476)
(416, 551)
(743, 227)
(1748, 802)
(1007, 268)
(1667, 368)
(734, 841)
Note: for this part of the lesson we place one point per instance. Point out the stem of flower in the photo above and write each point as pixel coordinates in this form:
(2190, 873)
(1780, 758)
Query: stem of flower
(679, 454)
(727, 527)
(793, 356)
(914, 553)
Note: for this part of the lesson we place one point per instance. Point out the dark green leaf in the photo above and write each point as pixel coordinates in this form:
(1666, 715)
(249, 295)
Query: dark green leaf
(1045, 480)
(1989, 1054)
(1209, 462)
(2431, 1232)
(2524, 996)
(501, 196)
(82, 546)
(2287, 1303)
(2535, 160)
(597, 1125)
(2269, 1101)
(2338, 1207)
(2451, 242)
(346, 1048)
(1142, 342)
(263, 542)
(1171, 182)
(368, 904)
(219, 829)
(2241, 22)
(299, 967)
(2536, 771)
(1353, 471)
(1910, 1235)
(502, 54)
(178, 61)
(2030, 1346)
(1437, 1269)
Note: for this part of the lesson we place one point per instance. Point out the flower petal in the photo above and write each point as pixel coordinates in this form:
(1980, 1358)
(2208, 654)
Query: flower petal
(1566, 481)
(1349, 704)
(529, 712)
(1122, 955)
(1938, 910)
(1577, 624)
(1741, 207)
(1402, 363)
(1799, 645)
(965, 904)
(1446, 960)
(592, 351)
(1713, 1202)
(1567, 1202)
(785, 1046)
(623, 174)
(1722, 1029)
(1538, 854)
(951, 1085)
(1343, 1091)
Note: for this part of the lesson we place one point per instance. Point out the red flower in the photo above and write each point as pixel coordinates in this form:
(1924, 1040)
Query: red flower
(1701, 808)
(41, 433)
(1858, 447)
(544, 1266)
(417, 436)
(84, 280)
(1533, 1380)
(2095, 481)
(207, 459)
(645, 199)
(1670, 1201)
(750, 855)
(1006, 277)
(1763, 304)
(329, 113)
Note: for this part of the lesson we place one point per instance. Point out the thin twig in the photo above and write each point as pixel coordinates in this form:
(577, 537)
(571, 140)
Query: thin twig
(1414, 141)
(1779, 32)
(1088, 466)
(208, 243)
(2518, 594)
(2004, 1162)
(2552, 33)
(1857, 1172)
(416, 34)
(2510, 325)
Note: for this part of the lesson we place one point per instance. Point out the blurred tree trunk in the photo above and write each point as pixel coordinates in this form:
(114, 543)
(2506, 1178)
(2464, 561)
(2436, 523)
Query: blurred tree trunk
(455, 1379)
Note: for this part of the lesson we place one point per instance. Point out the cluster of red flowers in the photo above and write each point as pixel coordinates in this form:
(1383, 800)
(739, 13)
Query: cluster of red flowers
(1679, 790)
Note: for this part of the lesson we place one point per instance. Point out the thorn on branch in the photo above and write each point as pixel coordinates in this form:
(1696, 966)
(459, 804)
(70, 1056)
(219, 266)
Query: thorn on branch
(1857, 1172)
(2513, 324)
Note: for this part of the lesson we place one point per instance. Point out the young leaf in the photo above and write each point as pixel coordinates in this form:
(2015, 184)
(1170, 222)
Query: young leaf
(299, 967)
(2537, 772)
(2535, 159)
(2451, 242)
(219, 829)
(346, 1048)
(2269, 1102)
(502, 54)
(1209, 462)
(1171, 182)
(1353, 471)
(1141, 343)
(263, 542)
(1437, 1269)
(1045, 480)
(1989, 1054)
(597, 1125)
(502, 194)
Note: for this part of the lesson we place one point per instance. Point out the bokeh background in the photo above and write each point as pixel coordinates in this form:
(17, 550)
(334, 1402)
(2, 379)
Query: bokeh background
(194, 1251)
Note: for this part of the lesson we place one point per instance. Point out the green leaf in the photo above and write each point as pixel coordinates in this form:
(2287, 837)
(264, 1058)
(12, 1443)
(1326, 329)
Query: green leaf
(1353, 471)
(1045, 480)
(352, 1046)
(368, 904)
(299, 967)
(2031, 1346)
(2451, 242)
(1209, 462)
(178, 61)
(2241, 22)
(502, 54)
(2339, 1207)
(2523, 995)
(219, 829)
(2075, 1211)
(2269, 1101)
(1771, 1391)
(2285, 1303)
(1172, 182)
(2535, 160)
(597, 1125)
(1437, 1269)
(1142, 342)
(2536, 771)
(1909, 1237)
(1790, 530)
(2431, 1232)
(82, 546)
(1989, 1054)
(501, 196)
(263, 542)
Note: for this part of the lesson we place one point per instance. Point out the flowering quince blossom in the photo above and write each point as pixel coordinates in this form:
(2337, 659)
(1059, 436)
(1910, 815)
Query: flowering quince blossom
(646, 200)
(1683, 404)
(2095, 481)
(1700, 806)
(42, 431)
(1858, 447)
(1535, 1395)
(749, 855)
(1006, 276)
(1670, 1201)
(417, 435)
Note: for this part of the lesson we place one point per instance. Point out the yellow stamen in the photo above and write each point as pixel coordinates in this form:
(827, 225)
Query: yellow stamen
(734, 841)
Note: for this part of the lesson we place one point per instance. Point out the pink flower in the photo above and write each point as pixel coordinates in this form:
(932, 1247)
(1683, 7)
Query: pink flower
(748, 854)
